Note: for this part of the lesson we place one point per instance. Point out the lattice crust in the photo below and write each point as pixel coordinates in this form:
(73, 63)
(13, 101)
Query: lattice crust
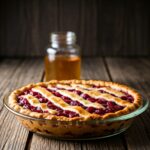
(86, 100)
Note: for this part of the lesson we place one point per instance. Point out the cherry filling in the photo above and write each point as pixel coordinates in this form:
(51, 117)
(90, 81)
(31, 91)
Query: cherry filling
(60, 112)
(96, 86)
(24, 102)
(110, 106)
(127, 96)
(67, 99)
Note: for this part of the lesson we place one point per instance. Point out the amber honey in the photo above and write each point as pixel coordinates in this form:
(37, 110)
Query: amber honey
(62, 61)
(62, 67)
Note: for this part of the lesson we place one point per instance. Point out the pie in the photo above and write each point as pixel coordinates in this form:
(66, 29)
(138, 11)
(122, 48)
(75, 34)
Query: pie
(74, 100)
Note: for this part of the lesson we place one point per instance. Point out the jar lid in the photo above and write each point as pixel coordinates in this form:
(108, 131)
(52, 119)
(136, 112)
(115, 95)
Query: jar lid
(68, 37)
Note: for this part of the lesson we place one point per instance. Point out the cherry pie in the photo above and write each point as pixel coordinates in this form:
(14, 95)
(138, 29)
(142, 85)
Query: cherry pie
(73, 100)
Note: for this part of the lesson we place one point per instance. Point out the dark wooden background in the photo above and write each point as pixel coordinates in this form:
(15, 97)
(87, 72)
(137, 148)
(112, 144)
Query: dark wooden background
(103, 27)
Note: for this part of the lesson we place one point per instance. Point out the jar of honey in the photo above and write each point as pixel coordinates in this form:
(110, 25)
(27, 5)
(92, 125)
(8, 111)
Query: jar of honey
(63, 60)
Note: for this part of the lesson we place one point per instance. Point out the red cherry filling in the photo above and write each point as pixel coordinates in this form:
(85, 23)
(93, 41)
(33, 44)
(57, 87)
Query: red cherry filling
(91, 109)
(110, 106)
(24, 102)
(69, 114)
(128, 97)
(66, 99)
(62, 112)
(96, 86)
(77, 92)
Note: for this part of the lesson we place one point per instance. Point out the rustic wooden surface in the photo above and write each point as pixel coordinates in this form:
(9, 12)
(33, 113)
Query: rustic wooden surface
(17, 72)
(103, 27)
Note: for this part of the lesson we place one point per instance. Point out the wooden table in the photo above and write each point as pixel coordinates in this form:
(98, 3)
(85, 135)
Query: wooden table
(15, 73)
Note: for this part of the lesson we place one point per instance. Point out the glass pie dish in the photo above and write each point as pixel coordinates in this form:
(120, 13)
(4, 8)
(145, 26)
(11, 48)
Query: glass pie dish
(78, 130)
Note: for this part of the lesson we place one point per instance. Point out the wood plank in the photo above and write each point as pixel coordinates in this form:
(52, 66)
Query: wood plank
(6, 73)
(26, 26)
(48, 22)
(88, 28)
(47, 144)
(113, 143)
(134, 72)
(12, 134)
(104, 28)
(92, 69)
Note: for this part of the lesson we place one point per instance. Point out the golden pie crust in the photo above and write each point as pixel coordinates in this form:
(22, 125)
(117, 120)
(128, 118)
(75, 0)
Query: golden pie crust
(79, 84)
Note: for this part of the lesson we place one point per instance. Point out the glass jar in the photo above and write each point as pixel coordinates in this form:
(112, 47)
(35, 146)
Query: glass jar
(63, 60)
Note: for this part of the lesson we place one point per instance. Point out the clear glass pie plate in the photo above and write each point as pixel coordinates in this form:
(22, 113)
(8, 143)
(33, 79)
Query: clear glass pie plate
(78, 130)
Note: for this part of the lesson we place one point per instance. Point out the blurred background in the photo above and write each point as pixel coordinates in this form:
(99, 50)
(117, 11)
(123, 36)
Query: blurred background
(116, 30)
(103, 27)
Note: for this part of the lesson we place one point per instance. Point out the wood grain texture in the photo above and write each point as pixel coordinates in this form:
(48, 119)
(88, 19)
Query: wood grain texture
(91, 69)
(17, 73)
(134, 72)
(5, 75)
(103, 28)
(88, 70)
(113, 143)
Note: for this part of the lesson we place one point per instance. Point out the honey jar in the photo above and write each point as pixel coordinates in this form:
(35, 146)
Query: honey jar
(63, 60)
